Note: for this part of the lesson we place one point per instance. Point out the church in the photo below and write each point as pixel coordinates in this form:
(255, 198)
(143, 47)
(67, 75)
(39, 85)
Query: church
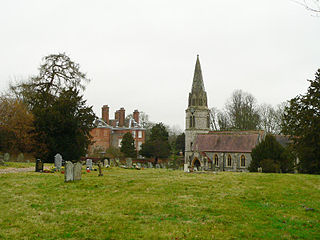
(213, 150)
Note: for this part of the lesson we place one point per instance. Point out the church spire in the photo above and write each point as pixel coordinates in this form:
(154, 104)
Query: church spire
(197, 96)
(197, 84)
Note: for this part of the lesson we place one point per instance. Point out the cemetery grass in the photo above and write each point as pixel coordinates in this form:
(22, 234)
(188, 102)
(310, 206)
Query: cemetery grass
(17, 165)
(159, 204)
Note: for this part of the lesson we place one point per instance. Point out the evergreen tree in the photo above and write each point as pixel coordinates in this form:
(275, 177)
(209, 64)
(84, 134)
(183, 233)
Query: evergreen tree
(127, 146)
(271, 156)
(180, 143)
(158, 145)
(302, 121)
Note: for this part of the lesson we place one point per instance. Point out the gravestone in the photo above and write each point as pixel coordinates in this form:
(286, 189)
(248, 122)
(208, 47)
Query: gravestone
(77, 167)
(106, 162)
(58, 161)
(6, 157)
(68, 173)
(129, 162)
(150, 165)
(139, 165)
(89, 164)
(117, 162)
(144, 165)
(157, 165)
(112, 163)
(39, 165)
(260, 169)
(20, 157)
(161, 165)
(186, 167)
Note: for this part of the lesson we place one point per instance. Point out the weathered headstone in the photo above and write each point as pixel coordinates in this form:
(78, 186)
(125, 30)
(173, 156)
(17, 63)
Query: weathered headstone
(77, 167)
(68, 173)
(157, 165)
(139, 165)
(58, 161)
(39, 165)
(129, 162)
(106, 162)
(20, 157)
(150, 165)
(144, 165)
(89, 164)
(186, 167)
(260, 169)
(6, 157)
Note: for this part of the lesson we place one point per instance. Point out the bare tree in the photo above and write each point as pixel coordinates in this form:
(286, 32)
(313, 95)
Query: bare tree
(310, 5)
(242, 111)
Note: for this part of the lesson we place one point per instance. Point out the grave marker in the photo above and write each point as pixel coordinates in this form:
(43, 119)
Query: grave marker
(68, 173)
(58, 161)
(77, 171)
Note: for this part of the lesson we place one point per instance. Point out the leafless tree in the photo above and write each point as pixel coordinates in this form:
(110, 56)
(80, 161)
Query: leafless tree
(310, 5)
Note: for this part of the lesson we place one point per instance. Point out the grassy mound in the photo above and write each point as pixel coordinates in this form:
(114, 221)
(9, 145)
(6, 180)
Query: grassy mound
(159, 204)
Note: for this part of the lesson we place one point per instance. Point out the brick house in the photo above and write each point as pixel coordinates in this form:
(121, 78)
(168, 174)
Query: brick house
(109, 132)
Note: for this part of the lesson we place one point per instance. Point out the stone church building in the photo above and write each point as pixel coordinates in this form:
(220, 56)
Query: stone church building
(214, 150)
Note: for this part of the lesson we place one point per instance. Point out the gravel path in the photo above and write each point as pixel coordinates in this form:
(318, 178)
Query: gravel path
(16, 170)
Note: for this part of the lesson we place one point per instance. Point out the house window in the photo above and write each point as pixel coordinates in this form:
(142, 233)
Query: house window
(119, 142)
(134, 134)
(139, 134)
(229, 161)
(242, 161)
(216, 160)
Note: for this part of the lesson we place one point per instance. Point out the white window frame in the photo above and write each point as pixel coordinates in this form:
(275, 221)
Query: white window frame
(134, 134)
(139, 134)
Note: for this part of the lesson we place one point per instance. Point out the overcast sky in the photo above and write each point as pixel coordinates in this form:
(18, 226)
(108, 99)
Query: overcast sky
(141, 54)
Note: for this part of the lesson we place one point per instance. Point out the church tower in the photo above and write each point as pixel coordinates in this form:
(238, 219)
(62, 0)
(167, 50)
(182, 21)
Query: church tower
(197, 113)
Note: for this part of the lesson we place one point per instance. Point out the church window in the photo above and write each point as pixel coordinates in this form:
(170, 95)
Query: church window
(208, 121)
(200, 102)
(191, 121)
(216, 160)
(191, 145)
(242, 161)
(229, 161)
(193, 102)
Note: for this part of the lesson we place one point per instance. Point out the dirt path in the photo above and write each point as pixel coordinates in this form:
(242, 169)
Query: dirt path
(16, 170)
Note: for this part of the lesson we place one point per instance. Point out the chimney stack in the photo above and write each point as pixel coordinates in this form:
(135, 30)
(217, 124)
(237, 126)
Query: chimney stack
(122, 117)
(105, 114)
(136, 115)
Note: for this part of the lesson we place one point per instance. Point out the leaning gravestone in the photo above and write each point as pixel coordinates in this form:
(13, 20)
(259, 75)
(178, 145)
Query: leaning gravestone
(129, 162)
(58, 161)
(68, 173)
(89, 164)
(150, 165)
(77, 171)
(6, 157)
(20, 157)
(157, 165)
(39, 165)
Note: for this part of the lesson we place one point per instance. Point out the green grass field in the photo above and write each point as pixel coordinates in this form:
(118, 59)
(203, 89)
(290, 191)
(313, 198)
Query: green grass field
(159, 204)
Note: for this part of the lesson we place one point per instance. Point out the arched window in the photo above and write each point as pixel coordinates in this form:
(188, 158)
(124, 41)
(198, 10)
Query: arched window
(191, 121)
(242, 161)
(229, 161)
(216, 160)
(193, 102)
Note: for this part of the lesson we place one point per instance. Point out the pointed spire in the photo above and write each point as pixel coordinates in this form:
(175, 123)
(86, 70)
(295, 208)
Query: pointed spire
(197, 84)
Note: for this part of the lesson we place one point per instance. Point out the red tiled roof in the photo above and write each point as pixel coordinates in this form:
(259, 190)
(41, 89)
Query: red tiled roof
(226, 142)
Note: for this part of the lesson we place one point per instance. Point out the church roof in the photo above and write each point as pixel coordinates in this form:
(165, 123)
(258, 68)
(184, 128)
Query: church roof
(226, 142)
(197, 84)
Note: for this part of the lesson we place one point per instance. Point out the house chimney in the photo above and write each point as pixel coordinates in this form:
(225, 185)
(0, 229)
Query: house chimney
(105, 114)
(117, 116)
(122, 116)
(136, 116)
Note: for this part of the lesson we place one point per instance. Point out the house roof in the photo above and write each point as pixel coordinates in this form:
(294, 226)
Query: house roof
(226, 142)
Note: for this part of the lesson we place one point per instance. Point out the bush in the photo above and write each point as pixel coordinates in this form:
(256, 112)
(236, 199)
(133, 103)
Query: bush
(270, 166)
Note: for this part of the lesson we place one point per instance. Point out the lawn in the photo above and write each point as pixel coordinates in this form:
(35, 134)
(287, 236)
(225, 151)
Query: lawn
(159, 204)
(17, 165)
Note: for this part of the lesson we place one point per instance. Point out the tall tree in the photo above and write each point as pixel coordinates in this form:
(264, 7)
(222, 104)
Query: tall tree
(127, 146)
(270, 118)
(310, 5)
(61, 118)
(301, 120)
(180, 142)
(158, 145)
(242, 111)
